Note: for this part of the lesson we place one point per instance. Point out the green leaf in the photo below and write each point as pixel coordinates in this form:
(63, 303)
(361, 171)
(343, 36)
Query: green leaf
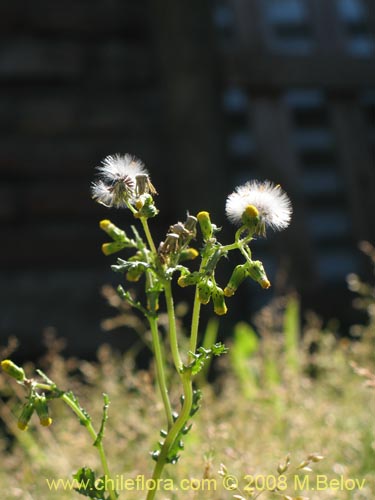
(203, 355)
(100, 436)
(89, 485)
(178, 444)
(74, 399)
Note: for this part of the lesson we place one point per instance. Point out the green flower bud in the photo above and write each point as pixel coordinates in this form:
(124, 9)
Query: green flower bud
(153, 301)
(113, 247)
(213, 261)
(188, 254)
(204, 291)
(146, 207)
(13, 370)
(205, 225)
(258, 274)
(113, 231)
(135, 272)
(240, 272)
(41, 407)
(26, 414)
(188, 279)
(220, 307)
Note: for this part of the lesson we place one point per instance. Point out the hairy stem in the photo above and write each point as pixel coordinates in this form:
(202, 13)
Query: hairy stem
(150, 241)
(172, 326)
(194, 324)
(174, 432)
(160, 373)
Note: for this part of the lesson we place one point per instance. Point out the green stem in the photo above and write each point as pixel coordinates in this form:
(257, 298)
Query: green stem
(227, 248)
(194, 324)
(160, 374)
(93, 434)
(150, 241)
(174, 431)
(172, 326)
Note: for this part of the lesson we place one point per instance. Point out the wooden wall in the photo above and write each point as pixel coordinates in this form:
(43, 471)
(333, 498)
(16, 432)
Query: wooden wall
(208, 94)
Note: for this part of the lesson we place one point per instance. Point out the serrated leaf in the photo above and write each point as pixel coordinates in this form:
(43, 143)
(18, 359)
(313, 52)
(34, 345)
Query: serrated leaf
(87, 481)
(203, 355)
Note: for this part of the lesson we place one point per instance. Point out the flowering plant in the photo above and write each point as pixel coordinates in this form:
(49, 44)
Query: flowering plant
(123, 182)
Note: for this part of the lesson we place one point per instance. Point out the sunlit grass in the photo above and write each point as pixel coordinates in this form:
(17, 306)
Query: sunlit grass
(321, 407)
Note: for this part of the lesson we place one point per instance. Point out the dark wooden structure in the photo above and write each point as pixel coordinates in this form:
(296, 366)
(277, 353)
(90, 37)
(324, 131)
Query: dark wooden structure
(208, 94)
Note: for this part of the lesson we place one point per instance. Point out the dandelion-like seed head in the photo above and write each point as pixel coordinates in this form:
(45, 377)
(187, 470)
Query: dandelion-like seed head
(263, 203)
(116, 186)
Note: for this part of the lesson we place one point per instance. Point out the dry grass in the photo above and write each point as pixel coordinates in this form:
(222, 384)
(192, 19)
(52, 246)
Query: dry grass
(322, 407)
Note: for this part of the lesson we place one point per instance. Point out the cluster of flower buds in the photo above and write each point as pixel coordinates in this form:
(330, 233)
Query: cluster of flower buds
(38, 403)
(174, 248)
(207, 289)
(253, 270)
(35, 402)
(119, 237)
(145, 206)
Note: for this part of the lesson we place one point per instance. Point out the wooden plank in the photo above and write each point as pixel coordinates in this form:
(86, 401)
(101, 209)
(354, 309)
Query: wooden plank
(68, 300)
(355, 162)
(278, 161)
(193, 149)
(249, 23)
(83, 17)
(51, 244)
(265, 70)
(328, 30)
(61, 112)
(112, 61)
(370, 17)
(51, 199)
(24, 158)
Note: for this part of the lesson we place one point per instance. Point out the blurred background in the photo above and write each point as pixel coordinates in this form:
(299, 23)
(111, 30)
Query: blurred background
(208, 94)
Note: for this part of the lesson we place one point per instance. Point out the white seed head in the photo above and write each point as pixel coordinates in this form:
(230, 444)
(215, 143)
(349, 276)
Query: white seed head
(115, 167)
(117, 180)
(101, 193)
(272, 203)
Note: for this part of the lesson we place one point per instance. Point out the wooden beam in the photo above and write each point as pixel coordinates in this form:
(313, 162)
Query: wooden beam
(370, 17)
(264, 70)
(278, 161)
(328, 30)
(250, 26)
(355, 162)
(190, 125)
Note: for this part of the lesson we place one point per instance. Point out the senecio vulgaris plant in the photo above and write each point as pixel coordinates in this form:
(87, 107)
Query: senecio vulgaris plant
(123, 182)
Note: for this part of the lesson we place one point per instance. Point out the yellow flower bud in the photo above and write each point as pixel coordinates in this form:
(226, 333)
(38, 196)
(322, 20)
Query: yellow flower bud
(41, 407)
(26, 414)
(220, 307)
(13, 370)
(239, 273)
(134, 274)
(153, 301)
(113, 247)
(258, 274)
(188, 254)
(188, 279)
(205, 225)
(204, 291)
(113, 231)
